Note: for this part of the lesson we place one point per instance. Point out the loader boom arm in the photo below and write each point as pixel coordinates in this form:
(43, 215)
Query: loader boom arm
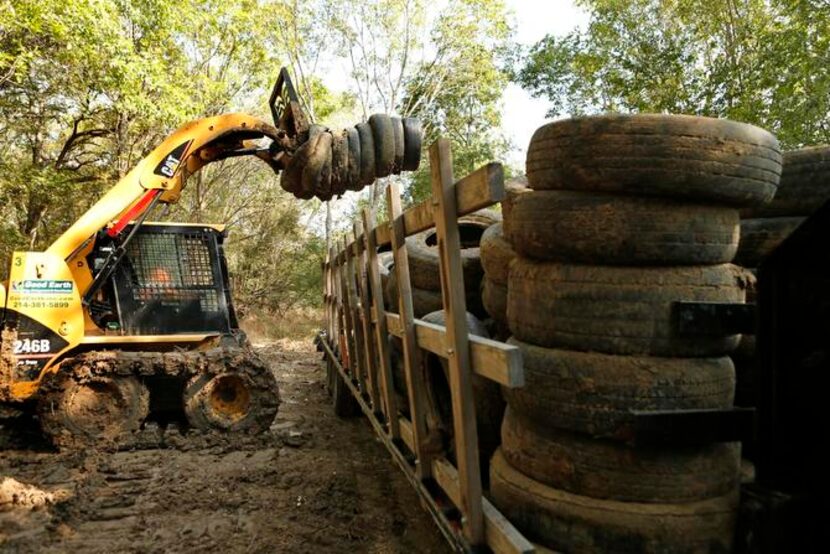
(164, 172)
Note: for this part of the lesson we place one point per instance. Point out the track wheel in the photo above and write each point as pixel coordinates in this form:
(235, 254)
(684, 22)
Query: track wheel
(344, 403)
(230, 401)
(94, 410)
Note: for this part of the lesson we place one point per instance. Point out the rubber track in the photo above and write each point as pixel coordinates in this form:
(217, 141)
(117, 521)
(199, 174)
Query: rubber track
(182, 365)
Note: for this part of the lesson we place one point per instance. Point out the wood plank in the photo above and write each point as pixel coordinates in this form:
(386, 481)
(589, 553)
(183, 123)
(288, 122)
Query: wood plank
(407, 434)
(333, 314)
(379, 325)
(330, 301)
(349, 311)
(501, 536)
(366, 320)
(495, 360)
(480, 189)
(416, 390)
(357, 320)
(465, 433)
(446, 476)
(383, 234)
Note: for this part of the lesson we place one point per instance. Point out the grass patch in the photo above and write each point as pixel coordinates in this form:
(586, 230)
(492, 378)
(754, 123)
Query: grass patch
(299, 324)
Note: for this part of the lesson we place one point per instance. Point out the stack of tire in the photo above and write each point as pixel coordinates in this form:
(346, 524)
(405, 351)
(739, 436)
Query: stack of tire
(804, 188)
(330, 162)
(627, 215)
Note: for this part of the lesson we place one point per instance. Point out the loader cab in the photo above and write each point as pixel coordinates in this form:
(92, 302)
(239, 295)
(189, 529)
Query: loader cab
(173, 279)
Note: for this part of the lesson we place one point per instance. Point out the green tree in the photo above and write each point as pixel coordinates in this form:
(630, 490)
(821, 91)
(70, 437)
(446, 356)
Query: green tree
(457, 93)
(88, 87)
(759, 61)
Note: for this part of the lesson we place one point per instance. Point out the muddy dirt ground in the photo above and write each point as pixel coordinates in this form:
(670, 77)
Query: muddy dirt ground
(315, 484)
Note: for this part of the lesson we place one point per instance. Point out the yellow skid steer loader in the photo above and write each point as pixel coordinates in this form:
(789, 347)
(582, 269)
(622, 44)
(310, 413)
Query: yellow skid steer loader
(121, 319)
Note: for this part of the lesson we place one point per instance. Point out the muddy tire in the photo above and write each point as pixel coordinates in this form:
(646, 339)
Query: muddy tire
(568, 522)
(617, 310)
(494, 298)
(354, 180)
(98, 410)
(804, 186)
(317, 171)
(607, 469)
(422, 249)
(397, 132)
(513, 189)
(608, 229)
(330, 375)
(291, 178)
(342, 400)
(243, 398)
(487, 399)
(384, 140)
(339, 164)
(760, 237)
(711, 161)
(412, 140)
(367, 154)
(423, 301)
(496, 254)
(426, 301)
(595, 393)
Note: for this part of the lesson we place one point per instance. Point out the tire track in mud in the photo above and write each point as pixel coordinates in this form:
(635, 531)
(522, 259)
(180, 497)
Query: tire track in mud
(314, 484)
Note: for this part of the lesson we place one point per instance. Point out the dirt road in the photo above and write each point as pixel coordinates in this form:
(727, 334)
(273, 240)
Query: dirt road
(316, 484)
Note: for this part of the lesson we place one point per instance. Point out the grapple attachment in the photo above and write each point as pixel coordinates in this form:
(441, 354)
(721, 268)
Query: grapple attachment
(285, 107)
(327, 163)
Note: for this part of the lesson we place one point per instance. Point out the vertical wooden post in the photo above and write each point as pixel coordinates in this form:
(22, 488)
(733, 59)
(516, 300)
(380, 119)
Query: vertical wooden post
(378, 313)
(458, 348)
(348, 311)
(411, 355)
(325, 272)
(335, 297)
(366, 318)
(328, 267)
(357, 327)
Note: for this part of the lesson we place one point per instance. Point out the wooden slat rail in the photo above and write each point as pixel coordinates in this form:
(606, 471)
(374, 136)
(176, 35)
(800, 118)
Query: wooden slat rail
(348, 324)
(502, 537)
(359, 323)
(416, 390)
(500, 533)
(495, 360)
(377, 309)
(480, 189)
(359, 360)
(370, 375)
(465, 432)
(331, 313)
(407, 435)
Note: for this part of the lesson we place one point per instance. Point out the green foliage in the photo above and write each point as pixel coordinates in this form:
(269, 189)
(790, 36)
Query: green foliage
(88, 87)
(759, 61)
(457, 95)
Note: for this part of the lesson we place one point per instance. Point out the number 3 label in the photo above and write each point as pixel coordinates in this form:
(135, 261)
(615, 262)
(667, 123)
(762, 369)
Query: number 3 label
(29, 346)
